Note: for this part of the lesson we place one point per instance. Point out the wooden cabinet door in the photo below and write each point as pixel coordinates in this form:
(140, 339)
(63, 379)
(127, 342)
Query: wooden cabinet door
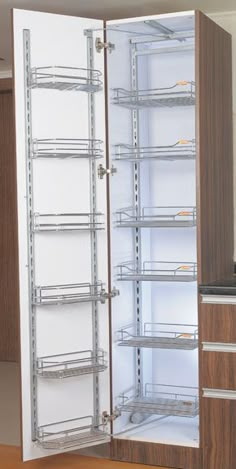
(218, 432)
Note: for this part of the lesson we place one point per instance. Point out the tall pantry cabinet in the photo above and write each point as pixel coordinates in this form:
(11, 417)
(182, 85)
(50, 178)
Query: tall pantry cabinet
(125, 206)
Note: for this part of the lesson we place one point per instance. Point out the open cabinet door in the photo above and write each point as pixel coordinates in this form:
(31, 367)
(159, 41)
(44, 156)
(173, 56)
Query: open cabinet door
(62, 233)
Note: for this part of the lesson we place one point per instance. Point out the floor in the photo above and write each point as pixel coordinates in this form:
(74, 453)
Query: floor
(10, 459)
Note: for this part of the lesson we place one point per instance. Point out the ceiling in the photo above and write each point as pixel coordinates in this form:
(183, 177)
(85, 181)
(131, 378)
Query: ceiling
(106, 9)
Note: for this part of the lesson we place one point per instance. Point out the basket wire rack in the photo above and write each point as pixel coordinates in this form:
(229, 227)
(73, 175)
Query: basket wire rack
(66, 78)
(64, 148)
(158, 271)
(182, 93)
(71, 433)
(161, 399)
(156, 217)
(181, 150)
(46, 222)
(69, 365)
(68, 293)
(159, 335)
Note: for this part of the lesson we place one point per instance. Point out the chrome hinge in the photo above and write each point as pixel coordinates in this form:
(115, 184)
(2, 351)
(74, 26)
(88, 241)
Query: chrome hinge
(103, 45)
(107, 295)
(106, 418)
(105, 171)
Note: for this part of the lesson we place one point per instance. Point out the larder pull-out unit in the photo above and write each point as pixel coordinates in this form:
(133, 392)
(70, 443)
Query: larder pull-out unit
(108, 221)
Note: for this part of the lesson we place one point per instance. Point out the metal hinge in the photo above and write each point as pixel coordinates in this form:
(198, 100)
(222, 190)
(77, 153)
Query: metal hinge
(106, 418)
(105, 171)
(103, 45)
(107, 295)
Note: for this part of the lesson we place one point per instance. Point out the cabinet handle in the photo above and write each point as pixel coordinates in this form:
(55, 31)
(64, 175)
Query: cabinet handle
(218, 347)
(218, 299)
(219, 393)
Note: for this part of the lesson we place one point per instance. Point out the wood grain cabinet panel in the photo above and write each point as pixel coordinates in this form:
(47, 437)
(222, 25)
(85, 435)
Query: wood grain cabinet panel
(218, 370)
(8, 232)
(217, 323)
(218, 433)
(156, 454)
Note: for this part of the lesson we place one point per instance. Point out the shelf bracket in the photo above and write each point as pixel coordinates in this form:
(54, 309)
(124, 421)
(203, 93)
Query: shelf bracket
(107, 418)
(103, 45)
(106, 171)
(109, 295)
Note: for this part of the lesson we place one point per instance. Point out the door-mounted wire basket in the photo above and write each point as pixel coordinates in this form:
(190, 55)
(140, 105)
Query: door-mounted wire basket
(64, 148)
(47, 222)
(73, 433)
(66, 78)
(69, 365)
(68, 293)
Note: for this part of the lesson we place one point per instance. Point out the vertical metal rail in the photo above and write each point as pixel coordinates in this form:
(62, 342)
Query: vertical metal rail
(137, 231)
(30, 211)
(93, 209)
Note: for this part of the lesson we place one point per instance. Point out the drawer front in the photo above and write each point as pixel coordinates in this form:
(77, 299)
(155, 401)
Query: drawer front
(218, 427)
(217, 322)
(218, 368)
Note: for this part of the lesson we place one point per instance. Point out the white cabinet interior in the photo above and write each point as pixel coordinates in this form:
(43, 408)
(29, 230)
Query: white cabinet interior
(151, 83)
(63, 230)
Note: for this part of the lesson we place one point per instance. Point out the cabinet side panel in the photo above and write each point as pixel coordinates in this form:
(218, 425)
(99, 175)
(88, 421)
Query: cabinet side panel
(214, 150)
(8, 237)
(156, 454)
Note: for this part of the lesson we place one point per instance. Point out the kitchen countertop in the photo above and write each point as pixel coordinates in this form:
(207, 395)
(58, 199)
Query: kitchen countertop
(224, 287)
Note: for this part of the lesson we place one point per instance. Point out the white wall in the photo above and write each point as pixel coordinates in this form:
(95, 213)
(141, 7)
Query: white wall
(227, 20)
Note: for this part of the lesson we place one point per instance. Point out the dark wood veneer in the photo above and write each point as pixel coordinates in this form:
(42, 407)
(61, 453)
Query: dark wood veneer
(214, 137)
(217, 323)
(6, 84)
(9, 307)
(218, 370)
(156, 454)
(219, 429)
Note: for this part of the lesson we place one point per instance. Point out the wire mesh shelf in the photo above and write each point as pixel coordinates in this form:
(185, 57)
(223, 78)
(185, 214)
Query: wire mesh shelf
(181, 150)
(69, 293)
(158, 271)
(156, 217)
(67, 222)
(69, 365)
(159, 335)
(161, 399)
(71, 433)
(67, 148)
(181, 93)
(66, 78)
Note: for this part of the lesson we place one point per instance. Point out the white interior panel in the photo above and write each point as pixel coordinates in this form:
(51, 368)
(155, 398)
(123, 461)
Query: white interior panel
(136, 129)
(60, 186)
